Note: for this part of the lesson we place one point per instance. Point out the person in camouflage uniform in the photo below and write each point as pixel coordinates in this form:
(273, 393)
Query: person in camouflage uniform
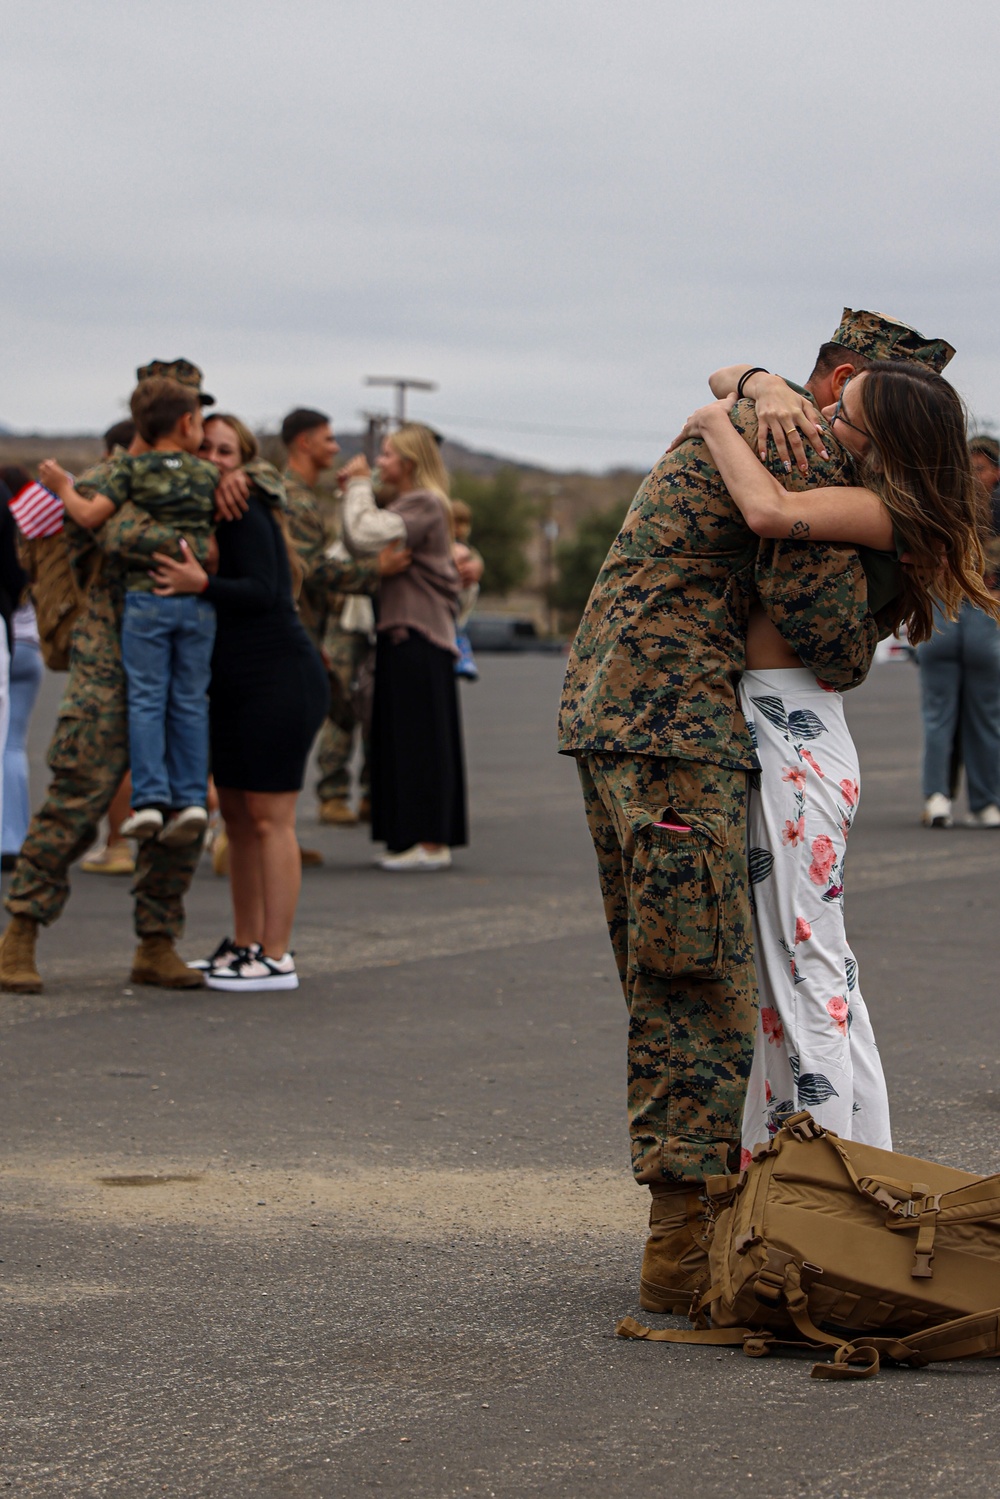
(88, 757)
(312, 447)
(649, 710)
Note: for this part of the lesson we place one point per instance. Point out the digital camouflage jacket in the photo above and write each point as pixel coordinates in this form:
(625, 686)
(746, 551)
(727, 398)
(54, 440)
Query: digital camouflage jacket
(326, 578)
(657, 658)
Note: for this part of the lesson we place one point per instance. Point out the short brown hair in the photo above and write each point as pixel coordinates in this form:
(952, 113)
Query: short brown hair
(302, 419)
(831, 354)
(119, 435)
(157, 405)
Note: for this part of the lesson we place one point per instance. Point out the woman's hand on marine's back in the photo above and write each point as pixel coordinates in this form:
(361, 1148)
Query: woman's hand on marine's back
(783, 414)
(232, 495)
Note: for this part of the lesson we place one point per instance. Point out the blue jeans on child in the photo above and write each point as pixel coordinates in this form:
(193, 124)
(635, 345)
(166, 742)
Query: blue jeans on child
(167, 655)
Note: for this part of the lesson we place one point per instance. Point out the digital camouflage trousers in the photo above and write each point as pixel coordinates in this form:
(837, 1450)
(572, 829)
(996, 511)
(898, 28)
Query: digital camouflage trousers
(88, 757)
(670, 837)
(344, 651)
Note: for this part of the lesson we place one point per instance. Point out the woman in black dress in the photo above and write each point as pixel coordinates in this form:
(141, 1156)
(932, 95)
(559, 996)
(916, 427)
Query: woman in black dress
(268, 697)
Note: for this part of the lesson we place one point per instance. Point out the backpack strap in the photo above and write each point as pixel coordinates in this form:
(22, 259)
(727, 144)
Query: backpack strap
(912, 1205)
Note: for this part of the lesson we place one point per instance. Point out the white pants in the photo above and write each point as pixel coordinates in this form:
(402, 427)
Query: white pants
(815, 1047)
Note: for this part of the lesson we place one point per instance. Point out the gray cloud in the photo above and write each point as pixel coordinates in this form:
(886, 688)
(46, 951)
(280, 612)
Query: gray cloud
(566, 213)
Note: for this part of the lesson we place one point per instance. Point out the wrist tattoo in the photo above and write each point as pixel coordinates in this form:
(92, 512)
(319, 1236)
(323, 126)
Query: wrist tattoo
(799, 531)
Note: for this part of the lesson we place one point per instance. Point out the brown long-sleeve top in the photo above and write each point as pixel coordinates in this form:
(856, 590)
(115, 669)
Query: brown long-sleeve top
(425, 597)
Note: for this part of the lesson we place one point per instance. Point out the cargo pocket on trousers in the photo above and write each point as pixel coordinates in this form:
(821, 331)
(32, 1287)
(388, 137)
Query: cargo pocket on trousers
(677, 913)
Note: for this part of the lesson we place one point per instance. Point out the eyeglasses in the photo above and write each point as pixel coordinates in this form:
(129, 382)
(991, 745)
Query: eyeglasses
(838, 415)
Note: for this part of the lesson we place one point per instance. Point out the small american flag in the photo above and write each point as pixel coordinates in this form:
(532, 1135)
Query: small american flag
(37, 510)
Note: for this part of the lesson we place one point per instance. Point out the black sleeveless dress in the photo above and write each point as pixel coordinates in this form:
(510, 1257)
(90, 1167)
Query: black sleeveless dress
(269, 692)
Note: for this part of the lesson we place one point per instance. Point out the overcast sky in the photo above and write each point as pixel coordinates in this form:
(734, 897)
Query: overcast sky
(565, 212)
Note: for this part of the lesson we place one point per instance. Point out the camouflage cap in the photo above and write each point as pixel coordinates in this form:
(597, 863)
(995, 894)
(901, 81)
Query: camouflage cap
(879, 337)
(181, 370)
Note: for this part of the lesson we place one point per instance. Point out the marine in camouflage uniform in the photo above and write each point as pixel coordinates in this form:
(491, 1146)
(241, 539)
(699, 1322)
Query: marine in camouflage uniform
(327, 580)
(649, 709)
(88, 755)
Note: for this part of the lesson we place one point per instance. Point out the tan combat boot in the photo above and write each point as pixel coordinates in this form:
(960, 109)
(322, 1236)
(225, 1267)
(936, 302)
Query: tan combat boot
(336, 812)
(18, 973)
(675, 1262)
(156, 962)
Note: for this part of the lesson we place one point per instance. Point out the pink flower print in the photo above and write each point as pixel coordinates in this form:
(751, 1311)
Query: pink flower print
(837, 1010)
(794, 832)
(768, 1095)
(745, 1158)
(810, 761)
(850, 791)
(824, 857)
(803, 931)
(773, 1028)
(796, 775)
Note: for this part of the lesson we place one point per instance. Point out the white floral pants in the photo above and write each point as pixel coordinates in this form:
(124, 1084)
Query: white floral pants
(815, 1047)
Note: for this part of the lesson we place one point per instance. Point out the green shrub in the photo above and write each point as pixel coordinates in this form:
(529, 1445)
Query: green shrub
(502, 523)
(581, 558)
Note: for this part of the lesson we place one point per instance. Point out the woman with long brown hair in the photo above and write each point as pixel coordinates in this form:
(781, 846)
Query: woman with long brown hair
(905, 428)
(418, 776)
(267, 699)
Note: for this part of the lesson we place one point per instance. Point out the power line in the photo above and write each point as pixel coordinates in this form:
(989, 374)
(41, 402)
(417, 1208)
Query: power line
(594, 433)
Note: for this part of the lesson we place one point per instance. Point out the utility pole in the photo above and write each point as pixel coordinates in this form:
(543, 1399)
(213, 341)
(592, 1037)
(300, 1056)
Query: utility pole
(401, 384)
(376, 424)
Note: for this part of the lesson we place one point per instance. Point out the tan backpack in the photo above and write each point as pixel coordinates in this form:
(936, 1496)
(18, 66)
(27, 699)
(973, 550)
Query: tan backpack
(54, 593)
(826, 1244)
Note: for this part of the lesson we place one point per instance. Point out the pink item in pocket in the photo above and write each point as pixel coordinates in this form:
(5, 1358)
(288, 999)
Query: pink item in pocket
(672, 827)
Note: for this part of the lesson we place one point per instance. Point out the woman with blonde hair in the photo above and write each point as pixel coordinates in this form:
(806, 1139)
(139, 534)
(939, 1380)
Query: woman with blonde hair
(418, 775)
(268, 696)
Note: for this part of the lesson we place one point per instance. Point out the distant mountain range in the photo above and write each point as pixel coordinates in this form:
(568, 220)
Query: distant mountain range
(29, 447)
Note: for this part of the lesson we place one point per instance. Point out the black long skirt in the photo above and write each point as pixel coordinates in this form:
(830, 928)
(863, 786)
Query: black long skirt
(417, 769)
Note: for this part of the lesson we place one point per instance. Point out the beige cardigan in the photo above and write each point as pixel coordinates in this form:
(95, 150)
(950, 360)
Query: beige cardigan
(425, 597)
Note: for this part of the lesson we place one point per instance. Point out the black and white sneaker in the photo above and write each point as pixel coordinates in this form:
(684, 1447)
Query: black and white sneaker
(222, 955)
(250, 971)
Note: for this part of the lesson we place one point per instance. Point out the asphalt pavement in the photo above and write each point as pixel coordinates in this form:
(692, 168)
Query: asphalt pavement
(374, 1236)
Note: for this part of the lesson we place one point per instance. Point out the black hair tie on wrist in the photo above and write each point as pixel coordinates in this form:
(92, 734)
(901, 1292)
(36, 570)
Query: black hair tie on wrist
(758, 369)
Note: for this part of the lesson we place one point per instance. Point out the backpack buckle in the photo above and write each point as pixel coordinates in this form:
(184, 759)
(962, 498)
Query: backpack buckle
(803, 1127)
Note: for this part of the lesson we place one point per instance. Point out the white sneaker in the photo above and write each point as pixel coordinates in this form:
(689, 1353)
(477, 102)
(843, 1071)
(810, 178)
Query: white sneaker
(250, 971)
(142, 824)
(986, 817)
(220, 958)
(416, 857)
(185, 826)
(937, 811)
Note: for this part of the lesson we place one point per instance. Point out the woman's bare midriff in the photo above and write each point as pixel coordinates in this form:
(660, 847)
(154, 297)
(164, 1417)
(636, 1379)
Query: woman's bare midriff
(766, 650)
